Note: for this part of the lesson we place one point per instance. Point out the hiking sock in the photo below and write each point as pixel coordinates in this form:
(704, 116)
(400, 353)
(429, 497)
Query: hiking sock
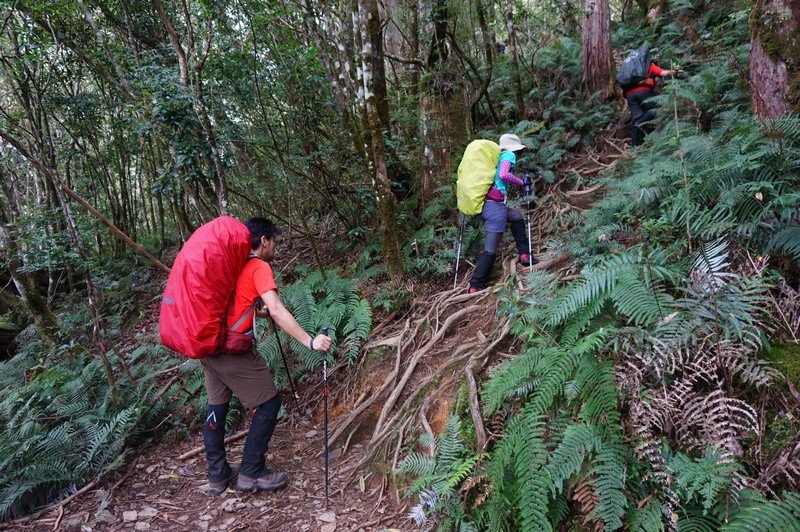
(214, 441)
(482, 270)
(261, 428)
(520, 233)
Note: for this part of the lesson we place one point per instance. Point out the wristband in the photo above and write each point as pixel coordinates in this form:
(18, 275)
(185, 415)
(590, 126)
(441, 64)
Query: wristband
(311, 344)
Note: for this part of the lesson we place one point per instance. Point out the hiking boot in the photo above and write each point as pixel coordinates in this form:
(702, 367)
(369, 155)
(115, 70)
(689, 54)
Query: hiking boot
(218, 487)
(527, 260)
(268, 481)
(482, 270)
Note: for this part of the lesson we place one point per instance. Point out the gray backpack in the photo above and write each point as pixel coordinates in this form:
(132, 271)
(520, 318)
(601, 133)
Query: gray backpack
(633, 69)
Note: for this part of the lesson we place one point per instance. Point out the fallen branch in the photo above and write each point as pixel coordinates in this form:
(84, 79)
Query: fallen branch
(584, 192)
(57, 506)
(197, 450)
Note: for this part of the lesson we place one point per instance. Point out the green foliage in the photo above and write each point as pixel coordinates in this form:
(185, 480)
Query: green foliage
(65, 428)
(705, 477)
(663, 325)
(757, 513)
(439, 477)
(316, 303)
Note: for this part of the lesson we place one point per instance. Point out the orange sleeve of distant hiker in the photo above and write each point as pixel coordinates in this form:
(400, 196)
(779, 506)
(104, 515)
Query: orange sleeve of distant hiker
(654, 70)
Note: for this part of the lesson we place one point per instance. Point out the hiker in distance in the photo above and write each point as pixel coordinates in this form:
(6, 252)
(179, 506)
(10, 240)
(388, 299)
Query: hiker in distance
(642, 87)
(496, 215)
(247, 375)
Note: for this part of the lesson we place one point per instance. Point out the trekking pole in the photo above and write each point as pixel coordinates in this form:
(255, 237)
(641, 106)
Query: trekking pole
(325, 413)
(462, 218)
(285, 364)
(528, 189)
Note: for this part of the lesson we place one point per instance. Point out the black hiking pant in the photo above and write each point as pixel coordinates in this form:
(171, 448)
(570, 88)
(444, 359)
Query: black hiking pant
(261, 428)
(641, 113)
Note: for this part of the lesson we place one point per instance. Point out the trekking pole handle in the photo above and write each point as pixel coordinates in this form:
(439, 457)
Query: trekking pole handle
(527, 183)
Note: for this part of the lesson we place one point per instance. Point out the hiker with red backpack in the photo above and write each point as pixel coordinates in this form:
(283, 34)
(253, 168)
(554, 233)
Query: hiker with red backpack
(218, 281)
(247, 375)
(637, 76)
(496, 214)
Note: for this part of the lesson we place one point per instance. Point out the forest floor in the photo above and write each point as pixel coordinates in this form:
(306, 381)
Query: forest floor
(161, 491)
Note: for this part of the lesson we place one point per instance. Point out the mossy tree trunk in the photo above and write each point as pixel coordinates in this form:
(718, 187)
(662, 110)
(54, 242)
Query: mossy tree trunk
(596, 47)
(775, 57)
(369, 25)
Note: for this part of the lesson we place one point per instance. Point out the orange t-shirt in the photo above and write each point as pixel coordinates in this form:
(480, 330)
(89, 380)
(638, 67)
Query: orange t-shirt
(256, 279)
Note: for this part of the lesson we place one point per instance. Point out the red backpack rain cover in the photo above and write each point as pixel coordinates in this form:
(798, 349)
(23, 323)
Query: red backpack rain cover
(200, 285)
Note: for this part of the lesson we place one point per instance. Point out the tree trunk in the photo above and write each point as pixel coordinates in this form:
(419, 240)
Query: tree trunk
(596, 47)
(775, 57)
(488, 50)
(374, 142)
(28, 288)
(442, 129)
(514, 54)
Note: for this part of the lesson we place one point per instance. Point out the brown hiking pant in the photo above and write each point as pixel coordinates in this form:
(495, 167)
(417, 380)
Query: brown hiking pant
(246, 375)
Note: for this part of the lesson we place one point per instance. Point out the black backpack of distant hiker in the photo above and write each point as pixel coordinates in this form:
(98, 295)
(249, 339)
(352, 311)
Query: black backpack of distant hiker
(633, 69)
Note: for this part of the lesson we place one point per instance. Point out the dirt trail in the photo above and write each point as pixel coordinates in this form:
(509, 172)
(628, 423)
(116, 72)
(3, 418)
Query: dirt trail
(160, 492)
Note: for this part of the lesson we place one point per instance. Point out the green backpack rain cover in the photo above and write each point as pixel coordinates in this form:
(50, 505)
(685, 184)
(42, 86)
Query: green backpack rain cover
(476, 174)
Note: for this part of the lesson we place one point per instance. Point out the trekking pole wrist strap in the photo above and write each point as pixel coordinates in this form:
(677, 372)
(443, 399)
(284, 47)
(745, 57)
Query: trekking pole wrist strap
(311, 343)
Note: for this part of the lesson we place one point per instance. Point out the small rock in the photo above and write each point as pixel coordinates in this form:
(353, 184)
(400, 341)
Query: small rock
(202, 525)
(304, 423)
(104, 516)
(334, 454)
(182, 518)
(86, 528)
(140, 466)
(150, 469)
(328, 528)
(261, 502)
(294, 497)
(311, 433)
(327, 517)
(229, 505)
(130, 516)
(205, 517)
(142, 525)
(214, 513)
(305, 527)
(147, 512)
(75, 522)
(163, 477)
(139, 485)
(242, 505)
(229, 522)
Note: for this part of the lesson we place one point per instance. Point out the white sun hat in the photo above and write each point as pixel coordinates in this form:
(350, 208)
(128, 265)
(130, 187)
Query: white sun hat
(511, 142)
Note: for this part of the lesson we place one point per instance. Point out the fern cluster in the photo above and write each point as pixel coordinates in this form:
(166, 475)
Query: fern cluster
(63, 426)
(637, 392)
(317, 303)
